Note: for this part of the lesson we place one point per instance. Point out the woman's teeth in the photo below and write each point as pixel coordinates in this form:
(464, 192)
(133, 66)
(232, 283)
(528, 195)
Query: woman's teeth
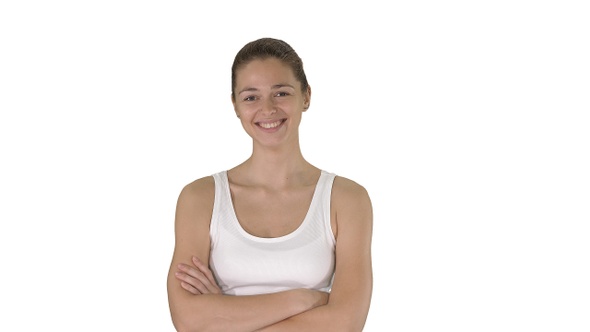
(270, 125)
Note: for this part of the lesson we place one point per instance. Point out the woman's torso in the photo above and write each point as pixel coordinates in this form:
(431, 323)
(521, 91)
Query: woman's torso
(264, 242)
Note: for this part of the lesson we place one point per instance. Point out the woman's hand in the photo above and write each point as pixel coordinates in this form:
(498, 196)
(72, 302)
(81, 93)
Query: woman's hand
(197, 279)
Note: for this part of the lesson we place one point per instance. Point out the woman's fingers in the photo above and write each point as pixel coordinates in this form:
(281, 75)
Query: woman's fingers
(198, 278)
(211, 284)
(189, 288)
(189, 276)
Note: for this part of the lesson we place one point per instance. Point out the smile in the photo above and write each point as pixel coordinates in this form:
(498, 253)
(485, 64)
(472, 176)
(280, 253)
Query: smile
(270, 125)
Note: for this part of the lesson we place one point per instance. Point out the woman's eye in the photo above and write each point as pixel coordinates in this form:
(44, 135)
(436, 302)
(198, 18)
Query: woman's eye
(282, 94)
(250, 98)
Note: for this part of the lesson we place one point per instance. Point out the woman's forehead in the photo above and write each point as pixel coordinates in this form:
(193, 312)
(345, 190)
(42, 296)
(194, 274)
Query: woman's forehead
(269, 71)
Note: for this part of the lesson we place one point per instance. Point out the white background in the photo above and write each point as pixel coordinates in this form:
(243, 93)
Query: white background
(467, 121)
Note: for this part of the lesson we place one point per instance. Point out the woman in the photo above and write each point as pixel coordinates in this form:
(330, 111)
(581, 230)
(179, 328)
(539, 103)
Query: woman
(275, 243)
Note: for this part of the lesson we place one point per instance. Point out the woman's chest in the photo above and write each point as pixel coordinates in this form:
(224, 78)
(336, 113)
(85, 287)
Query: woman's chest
(271, 214)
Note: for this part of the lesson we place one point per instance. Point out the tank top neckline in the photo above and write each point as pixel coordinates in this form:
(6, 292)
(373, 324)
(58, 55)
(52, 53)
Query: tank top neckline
(299, 229)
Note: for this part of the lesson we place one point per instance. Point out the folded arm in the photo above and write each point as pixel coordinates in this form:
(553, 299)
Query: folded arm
(350, 298)
(212, 311)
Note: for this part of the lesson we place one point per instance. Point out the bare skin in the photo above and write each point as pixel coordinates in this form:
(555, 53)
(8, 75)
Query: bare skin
(270, 103)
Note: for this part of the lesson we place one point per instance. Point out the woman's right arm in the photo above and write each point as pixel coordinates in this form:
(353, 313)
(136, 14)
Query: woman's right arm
(216, 312)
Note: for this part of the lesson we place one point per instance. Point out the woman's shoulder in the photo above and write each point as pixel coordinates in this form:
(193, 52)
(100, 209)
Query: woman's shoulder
(352, 206)
(201, 189)
(347, 193)
(348, 188)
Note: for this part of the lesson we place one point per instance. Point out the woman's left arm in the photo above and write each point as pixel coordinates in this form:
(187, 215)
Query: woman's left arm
(350, 297)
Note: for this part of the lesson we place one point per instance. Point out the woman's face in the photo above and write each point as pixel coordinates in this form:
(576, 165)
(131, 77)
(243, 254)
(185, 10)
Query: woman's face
(269, 101)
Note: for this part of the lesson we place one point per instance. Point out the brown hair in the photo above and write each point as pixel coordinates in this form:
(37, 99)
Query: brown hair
(265, 48)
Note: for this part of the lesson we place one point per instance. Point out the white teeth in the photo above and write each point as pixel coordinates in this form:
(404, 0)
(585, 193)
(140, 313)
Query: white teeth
(270, 125)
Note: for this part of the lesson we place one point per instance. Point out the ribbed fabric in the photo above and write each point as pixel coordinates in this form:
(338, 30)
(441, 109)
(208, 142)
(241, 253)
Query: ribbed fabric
(244, 264)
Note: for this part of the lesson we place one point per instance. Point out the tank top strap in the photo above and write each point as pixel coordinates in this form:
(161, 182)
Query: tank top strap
(220, 204)
(322, 206)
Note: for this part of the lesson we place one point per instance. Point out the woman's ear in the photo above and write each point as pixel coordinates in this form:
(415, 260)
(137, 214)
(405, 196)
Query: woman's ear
(307, 98)
(233, 101)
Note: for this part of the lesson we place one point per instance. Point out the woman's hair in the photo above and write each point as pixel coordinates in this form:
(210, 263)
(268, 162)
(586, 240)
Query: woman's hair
(265, 48)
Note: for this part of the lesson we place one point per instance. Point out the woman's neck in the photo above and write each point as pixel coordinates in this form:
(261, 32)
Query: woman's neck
(275, 168)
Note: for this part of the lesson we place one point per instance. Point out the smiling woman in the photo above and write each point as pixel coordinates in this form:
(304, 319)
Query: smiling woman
(274, 243)
(267, 98)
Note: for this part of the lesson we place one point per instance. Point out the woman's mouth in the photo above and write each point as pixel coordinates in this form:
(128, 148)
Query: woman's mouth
(270, 125)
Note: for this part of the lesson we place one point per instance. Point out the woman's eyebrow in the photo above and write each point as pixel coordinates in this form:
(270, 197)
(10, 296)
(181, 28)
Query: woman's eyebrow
(276, 86)
(282, 85)
(247, 90)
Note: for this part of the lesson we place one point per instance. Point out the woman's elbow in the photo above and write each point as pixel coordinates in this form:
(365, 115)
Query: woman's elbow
(347, 321)
(184, 322)
(351, 325)
(196, 323)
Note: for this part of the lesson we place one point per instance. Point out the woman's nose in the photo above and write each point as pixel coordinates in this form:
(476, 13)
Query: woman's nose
(269, 106)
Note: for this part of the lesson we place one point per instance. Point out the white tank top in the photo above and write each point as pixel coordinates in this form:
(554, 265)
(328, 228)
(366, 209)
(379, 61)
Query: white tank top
(244, 264)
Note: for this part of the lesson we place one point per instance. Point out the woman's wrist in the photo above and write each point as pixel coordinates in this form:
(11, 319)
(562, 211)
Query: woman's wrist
(310, 298)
